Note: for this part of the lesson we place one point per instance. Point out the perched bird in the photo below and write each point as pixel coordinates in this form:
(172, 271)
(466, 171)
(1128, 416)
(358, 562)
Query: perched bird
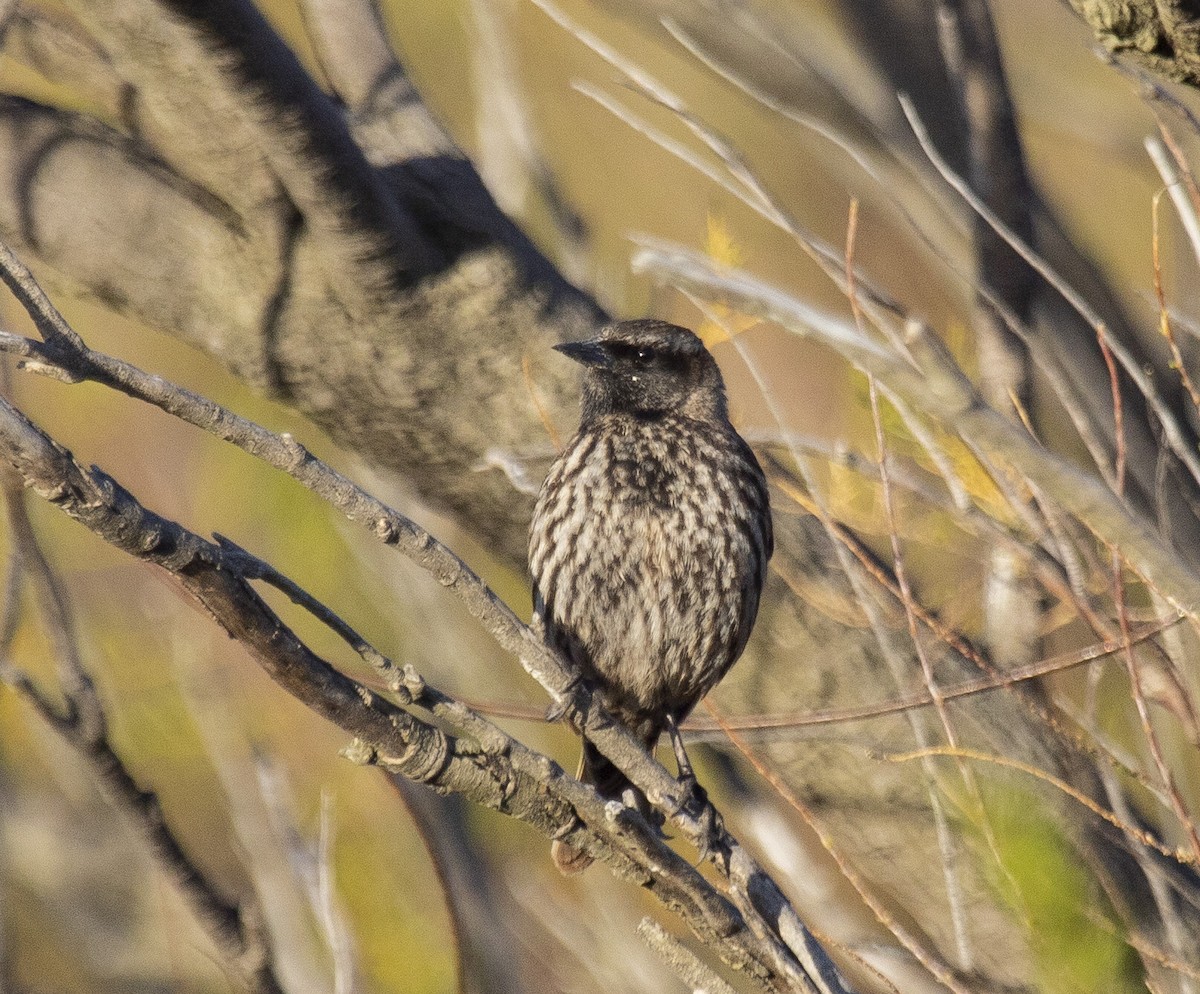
(650, 539)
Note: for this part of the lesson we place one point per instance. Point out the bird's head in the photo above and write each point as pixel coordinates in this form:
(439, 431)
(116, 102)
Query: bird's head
(648, 368)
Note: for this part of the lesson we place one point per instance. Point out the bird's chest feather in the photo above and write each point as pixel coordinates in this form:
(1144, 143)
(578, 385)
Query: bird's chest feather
(644, 560)
(656, 487)
(647, 471)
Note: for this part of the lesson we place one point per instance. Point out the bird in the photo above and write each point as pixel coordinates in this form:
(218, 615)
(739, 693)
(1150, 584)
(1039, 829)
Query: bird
(649, 541)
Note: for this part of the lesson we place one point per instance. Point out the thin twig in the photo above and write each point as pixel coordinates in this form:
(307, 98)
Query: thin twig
(437, 861)
(1164, 320)
(50, 324)
(1172, 429)
(1132, 667)
(699, 978)
(907, 939)
(696, 726)
(1179, 183)
(739, 179)
(861, 155)
(536, 399)
(1071, 737)
(1047, 362)
(1133, 831)
(1146, 948)
(946, 843)
(1186, 823)
(1114, 385)
(901, 574)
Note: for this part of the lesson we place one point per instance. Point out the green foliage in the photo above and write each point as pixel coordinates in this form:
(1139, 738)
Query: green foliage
(1075, 946)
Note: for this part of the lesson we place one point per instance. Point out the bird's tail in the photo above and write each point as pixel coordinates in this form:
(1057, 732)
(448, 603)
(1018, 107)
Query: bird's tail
(610, 784)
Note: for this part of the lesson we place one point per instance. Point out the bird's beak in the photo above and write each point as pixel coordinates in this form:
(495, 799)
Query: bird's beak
(589, 353)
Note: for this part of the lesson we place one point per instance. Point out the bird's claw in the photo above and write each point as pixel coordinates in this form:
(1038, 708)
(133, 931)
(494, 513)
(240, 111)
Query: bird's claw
(635, 800)
(696, 803)
(565, 706)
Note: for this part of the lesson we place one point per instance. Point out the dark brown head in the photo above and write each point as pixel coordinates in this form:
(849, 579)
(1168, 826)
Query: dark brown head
(648, 368)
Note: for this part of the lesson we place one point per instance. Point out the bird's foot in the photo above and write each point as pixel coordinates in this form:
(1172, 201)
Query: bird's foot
(565, 706)
(694, 795)
(712, 827)
(695, 802)
(633, 798)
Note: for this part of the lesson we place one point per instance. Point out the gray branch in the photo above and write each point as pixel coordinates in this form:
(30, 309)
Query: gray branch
(495, 770)
(377, 289)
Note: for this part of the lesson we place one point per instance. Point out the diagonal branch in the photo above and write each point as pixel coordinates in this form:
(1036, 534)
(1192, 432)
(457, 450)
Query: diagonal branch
(498, 772)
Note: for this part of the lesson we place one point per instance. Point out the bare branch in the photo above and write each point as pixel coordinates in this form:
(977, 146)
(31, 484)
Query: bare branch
(236, 929)
(686, 965)
(1146, 838)
(757, 896)
(1180, 445)
(499, 772)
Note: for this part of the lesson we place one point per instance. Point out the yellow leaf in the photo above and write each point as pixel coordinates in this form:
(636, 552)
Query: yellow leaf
(719, 244)
(723, 323)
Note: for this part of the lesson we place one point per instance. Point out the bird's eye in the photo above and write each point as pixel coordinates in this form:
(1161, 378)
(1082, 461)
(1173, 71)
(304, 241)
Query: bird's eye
(631, 353)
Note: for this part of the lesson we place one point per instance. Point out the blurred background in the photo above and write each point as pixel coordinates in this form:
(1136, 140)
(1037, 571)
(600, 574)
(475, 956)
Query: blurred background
(254, 780)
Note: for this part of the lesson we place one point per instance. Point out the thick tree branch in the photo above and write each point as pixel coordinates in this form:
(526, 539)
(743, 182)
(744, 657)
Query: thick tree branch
(236, 224)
